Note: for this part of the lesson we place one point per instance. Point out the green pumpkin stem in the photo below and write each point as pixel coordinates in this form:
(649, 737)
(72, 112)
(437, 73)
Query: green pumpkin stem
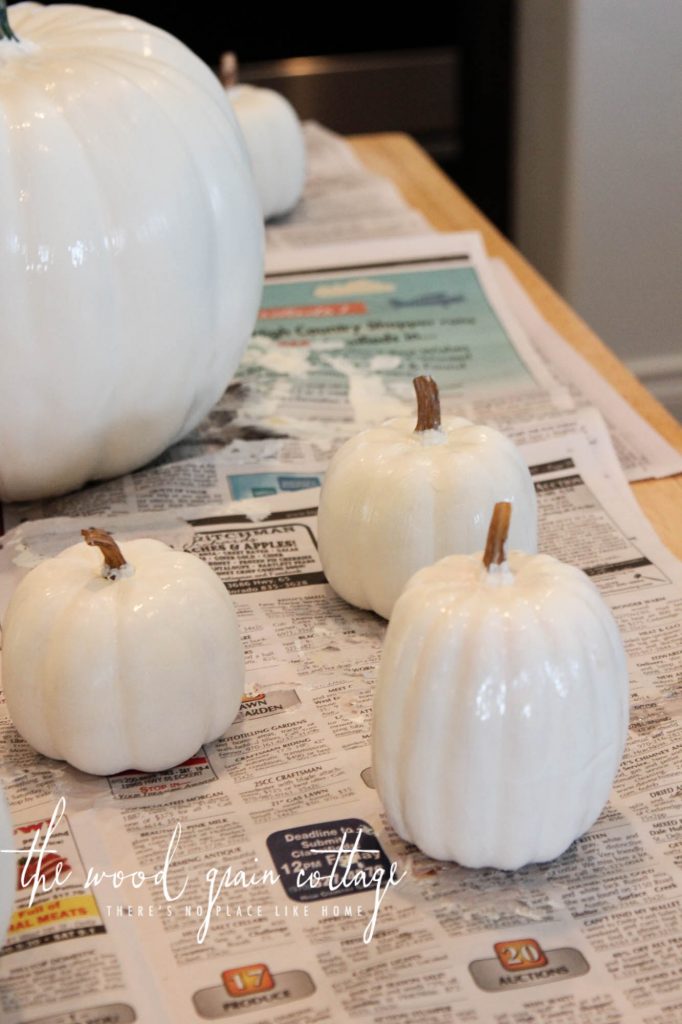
(498, 530)
(428, 404)
(5, 27)
(113, 556)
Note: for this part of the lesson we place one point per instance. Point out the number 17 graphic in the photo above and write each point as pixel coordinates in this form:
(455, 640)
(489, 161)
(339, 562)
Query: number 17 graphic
(243, 981)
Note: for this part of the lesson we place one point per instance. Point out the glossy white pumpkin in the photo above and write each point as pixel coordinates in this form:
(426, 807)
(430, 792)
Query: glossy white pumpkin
(396, 499)
(130, 246)
(501, 710)
(133, 672)
(274, 139)
(8, 868)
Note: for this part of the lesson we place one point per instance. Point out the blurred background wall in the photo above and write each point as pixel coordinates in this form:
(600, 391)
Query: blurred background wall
(597, 185)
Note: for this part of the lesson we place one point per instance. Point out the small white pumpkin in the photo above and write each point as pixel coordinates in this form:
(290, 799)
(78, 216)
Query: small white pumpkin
(501, 707)
(131, 245)
(8, 868)
(396, 499)
(131, 663)
(274, 139)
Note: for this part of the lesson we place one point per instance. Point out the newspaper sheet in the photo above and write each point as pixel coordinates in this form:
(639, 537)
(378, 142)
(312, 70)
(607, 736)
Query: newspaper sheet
(325, 365)
(256, 469)
(642, 451)
(336, 348)
(320, 377)
(337, 174)
(203, 902)
(342, 200)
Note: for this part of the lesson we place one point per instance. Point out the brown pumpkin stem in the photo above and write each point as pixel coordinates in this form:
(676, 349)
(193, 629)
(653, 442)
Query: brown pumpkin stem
(428, 404)
(113, 556)
(229, 70)
(497, 534)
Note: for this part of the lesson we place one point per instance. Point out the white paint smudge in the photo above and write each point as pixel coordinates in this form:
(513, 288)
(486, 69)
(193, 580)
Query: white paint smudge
(382, 363)
(367, 394)
(285, 360)
(255, 509)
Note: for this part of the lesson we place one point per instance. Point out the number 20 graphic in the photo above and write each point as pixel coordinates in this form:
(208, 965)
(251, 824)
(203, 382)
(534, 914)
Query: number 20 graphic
(520, 954)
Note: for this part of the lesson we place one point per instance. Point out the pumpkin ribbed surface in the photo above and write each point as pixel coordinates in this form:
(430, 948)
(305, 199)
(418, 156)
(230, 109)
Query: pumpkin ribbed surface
(501, 710)
(130, 246)
(136, 672)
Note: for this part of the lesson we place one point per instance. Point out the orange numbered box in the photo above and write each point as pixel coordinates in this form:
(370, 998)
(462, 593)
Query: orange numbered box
(244, 981)
(520, 954)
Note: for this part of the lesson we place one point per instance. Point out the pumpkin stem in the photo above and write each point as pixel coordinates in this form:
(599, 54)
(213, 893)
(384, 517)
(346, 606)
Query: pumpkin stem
(497, 534)
(428, 404)
(229, 69)
(113, 556)
(5, 27)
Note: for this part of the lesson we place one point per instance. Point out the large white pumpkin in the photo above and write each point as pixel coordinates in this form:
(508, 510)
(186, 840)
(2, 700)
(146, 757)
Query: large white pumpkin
(130, 246)
(501, 708)
(118, 668)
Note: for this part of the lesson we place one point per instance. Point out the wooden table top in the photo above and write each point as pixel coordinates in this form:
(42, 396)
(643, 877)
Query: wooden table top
(429, 190)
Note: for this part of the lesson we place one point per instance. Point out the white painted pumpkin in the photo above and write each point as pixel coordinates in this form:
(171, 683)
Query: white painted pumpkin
(8, 868)
(131, 663)
(130, 246)
(396, 499)
(501, 708)
(274, 139)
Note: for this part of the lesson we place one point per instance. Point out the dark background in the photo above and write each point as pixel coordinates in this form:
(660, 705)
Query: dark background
(445, 78)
